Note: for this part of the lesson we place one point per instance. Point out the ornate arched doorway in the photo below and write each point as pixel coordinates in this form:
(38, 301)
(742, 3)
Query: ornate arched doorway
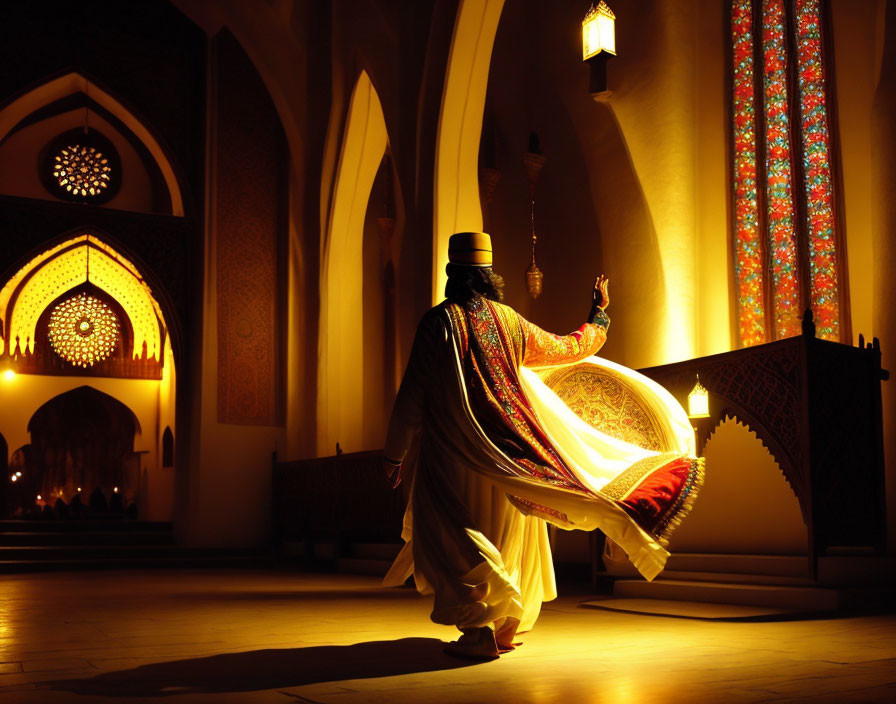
(82, 312)
(82, 445)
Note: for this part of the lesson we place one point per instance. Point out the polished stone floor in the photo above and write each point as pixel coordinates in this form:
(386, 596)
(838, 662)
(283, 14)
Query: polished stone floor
(277, 636)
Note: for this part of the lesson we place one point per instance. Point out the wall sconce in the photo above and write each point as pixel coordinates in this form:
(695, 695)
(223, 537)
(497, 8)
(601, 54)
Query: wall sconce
(698, 401)
(598, 45)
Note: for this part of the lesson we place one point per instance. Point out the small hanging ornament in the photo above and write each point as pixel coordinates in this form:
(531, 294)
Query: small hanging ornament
(534, 161)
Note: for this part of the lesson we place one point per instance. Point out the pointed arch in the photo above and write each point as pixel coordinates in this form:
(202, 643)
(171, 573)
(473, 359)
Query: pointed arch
(78, 396)
(72, 83)
(167, 447)
(340, 374)
(62, 267)
(456, 198)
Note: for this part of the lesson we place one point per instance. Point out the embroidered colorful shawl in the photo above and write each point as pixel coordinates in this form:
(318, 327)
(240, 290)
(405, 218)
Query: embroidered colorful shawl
(490, 340)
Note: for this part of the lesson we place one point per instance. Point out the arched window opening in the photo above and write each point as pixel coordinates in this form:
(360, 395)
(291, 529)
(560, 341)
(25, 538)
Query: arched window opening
(787, 244)
(167, 448)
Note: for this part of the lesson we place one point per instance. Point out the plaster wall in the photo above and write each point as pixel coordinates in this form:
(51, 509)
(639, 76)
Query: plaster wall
(633, 186)
(228, 503)
(883, 225)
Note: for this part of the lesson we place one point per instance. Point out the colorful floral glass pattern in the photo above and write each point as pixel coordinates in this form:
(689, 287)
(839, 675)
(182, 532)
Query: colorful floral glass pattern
(767, 266)
(817, 169)
(779, 174)
(747, 239)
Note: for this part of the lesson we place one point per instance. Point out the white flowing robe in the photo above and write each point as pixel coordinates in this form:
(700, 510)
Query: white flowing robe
(466, 543)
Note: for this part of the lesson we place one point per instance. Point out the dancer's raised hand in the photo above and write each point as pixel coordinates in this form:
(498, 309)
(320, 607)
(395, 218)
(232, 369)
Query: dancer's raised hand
(600, 296)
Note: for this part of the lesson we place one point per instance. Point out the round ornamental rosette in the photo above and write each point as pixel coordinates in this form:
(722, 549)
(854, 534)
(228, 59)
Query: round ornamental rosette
(83, 167)
(83, 330)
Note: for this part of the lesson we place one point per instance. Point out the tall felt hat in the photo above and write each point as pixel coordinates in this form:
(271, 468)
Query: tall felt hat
(470, 249)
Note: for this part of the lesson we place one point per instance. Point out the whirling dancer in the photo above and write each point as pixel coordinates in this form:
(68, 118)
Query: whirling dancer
(500, 456)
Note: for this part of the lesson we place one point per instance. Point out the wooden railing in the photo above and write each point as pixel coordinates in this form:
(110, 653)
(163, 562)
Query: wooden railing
(344, 498)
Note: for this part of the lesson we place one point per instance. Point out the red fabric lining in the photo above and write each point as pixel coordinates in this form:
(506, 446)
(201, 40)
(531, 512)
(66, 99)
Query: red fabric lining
(657, 493)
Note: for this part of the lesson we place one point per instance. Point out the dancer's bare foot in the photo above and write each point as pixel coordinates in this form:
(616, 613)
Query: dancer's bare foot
(505, 634)
(475, 644)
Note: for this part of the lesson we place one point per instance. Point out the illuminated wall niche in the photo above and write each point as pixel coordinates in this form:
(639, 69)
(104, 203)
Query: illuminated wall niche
(69, 309)
(785, 236)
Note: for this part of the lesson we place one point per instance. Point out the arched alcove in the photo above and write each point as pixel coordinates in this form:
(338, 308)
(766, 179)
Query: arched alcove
(82, 439)
(341, 383)
(746, 505)
(74, 86)
(456, 198)
(167, 447)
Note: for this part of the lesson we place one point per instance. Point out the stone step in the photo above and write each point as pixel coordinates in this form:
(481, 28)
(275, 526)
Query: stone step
(197, 562)
(108, 524)
(857, 570)
(736, 578)
(779, 565)
(794, 566)
(354, 565)
(797, 598)
(110, 552)
(85, 537)
(375, 551)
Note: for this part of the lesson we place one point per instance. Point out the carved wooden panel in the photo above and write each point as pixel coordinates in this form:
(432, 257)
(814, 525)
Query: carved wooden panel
(816, 406)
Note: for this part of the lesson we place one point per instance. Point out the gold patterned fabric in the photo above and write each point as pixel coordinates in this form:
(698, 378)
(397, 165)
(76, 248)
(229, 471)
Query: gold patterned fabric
(608, 401)
(492, 341)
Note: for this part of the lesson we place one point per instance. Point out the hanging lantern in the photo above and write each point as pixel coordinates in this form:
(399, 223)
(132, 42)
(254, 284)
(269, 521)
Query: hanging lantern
(698, 401)
(598, 46)
(534, 161)
(598, 31)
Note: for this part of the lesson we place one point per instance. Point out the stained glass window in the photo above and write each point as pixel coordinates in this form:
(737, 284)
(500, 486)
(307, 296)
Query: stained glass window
(785, 239)
(824, 293)
(748, 245)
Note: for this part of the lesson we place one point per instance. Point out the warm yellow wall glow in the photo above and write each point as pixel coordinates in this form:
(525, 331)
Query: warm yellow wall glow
(73, 83)
(745, 505)
(457, 206)
(62, 268)
(341, 382)
(657, 112)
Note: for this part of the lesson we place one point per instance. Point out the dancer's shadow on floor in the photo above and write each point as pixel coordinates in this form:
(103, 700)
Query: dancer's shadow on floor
(268, 669)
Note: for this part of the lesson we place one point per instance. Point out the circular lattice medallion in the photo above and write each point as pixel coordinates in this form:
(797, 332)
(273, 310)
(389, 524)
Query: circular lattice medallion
(83, 330)
(81, 166)
(607, 401)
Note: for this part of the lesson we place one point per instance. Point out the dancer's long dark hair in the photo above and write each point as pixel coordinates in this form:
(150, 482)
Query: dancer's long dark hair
(464, 282)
